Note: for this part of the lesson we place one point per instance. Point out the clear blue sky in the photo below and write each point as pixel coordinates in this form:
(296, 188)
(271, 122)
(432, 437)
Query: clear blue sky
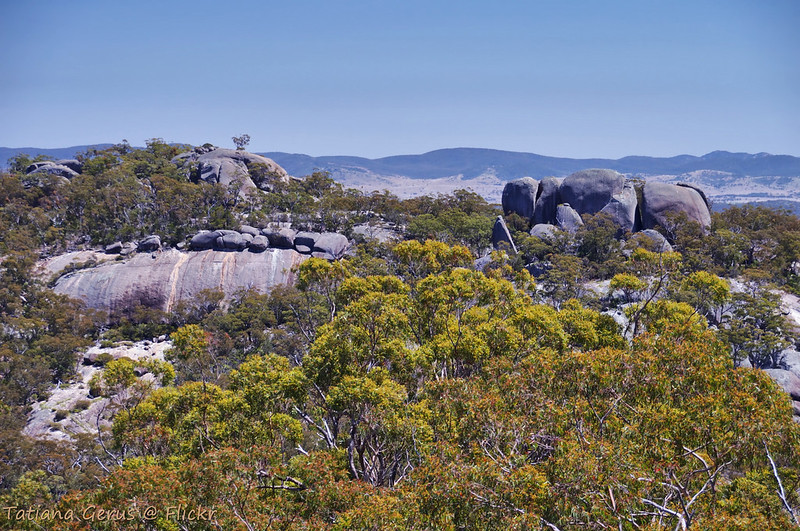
(375, 78)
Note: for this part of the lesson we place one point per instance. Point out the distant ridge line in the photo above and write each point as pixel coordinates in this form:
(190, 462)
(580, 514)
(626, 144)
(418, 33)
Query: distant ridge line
(505, 165)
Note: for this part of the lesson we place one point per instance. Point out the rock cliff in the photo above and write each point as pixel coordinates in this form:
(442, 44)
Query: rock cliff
(161, 279)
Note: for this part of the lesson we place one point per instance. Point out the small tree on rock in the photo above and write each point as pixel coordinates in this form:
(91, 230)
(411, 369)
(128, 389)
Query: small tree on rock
(241, 142)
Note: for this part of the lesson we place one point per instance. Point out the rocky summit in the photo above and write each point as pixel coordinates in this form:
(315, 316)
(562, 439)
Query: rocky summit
(226, 166)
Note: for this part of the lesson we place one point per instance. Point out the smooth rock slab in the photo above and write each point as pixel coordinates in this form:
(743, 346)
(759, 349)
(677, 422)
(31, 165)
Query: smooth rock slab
(175, 276)
(787, 380)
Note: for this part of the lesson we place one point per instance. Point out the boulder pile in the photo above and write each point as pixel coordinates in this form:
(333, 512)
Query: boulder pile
(65, 168)
(226, 166)
(632, 207)
(328, 245)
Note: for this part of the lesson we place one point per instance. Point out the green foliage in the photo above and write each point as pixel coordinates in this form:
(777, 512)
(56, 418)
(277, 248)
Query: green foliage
(447, 398)
(401, 388)
(757, 331)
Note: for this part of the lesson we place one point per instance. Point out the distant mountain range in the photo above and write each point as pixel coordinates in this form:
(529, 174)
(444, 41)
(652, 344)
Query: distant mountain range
(727, 178)
(56, 153)
(507, 165)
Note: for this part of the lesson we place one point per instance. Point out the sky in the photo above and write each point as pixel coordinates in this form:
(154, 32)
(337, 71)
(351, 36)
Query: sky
(570, 78)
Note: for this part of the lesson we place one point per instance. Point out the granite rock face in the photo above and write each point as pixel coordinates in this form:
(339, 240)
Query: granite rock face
(171, 276)
(660, 200)
(519, 196)
(226, 166)
(788, 380)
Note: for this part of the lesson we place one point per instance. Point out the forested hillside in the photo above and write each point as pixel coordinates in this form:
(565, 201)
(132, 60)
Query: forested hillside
(590, 380)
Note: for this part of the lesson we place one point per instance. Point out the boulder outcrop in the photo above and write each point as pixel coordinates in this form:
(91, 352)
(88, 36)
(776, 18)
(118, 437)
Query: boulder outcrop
(225, 166)
(172, 276)
(259, 244)
(630, 206)
(66, 168)
(657, 241)
(788, 380)
(304, 241)
(149, 244)
(330, 245)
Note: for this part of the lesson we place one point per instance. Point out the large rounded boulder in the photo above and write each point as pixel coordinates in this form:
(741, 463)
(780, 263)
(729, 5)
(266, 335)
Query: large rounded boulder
(567, 218)
(330, 245)
(304, 241)
(544, 231)
(519, 196)
(205, 239)
(280, 238)
(589, 191)
(662, 201)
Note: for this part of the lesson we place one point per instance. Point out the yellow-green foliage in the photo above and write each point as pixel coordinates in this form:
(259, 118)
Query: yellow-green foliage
(451, 400)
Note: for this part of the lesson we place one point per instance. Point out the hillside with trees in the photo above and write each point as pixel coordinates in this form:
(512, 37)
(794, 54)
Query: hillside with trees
(422, 381)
